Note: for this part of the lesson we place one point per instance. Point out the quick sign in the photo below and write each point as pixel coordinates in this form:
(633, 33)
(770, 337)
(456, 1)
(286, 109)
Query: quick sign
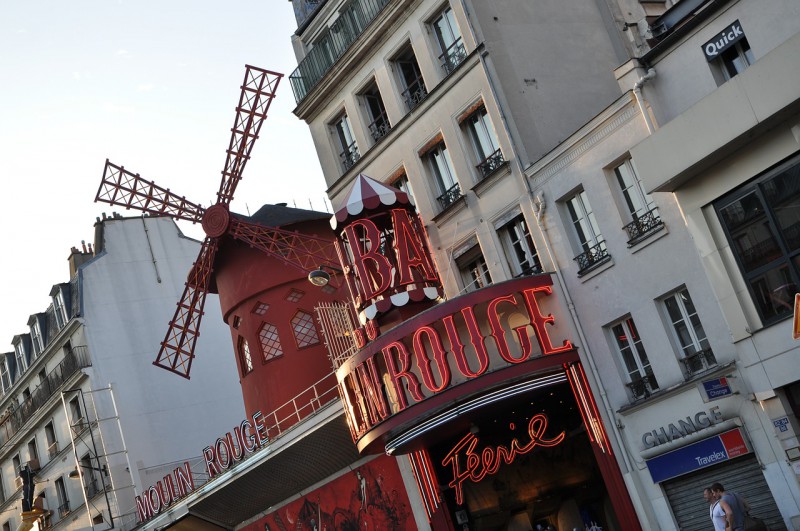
(701, 454)
(722, 41)
(717, 388)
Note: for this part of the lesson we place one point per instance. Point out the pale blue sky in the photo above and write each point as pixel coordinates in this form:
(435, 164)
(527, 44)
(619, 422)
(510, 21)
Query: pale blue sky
(151, 85)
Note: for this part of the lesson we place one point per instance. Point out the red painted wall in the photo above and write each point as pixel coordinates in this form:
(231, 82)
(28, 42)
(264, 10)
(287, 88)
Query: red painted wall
(247, 278)
(370, 497)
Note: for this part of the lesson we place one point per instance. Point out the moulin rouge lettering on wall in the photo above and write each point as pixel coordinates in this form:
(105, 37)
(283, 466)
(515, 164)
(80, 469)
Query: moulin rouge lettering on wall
(245, 439)
(469, 464)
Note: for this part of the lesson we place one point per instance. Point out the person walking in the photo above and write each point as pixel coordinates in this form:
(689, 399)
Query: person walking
(729, 510)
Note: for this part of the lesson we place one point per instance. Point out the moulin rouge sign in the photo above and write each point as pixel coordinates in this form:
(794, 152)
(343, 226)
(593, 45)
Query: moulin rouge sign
(456, 341)
(246, 438)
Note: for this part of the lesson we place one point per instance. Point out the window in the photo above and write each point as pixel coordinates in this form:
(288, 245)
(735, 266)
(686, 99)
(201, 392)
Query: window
(484, 142)
(305, 333)
(270, 342)
(61, 495)
(237, 322)
(260, 308)
(5, 374)
(59, 309)
(473, 269)
(519, 249)
(36, 337)
(735, 59)
(376, 112)
(78, 422)
(642, 381)
(762, 223)
(402, 184)
(449, 40)
(688, 332)
(20, 354)
(33, 452)
(16, 462)
(346, 143)
(294, 295)
(590, 240)
(2, 489)
(244, 356)
(50, 437)
(644, 218)
(410, 76)
(6, 526)
(89, 477)
(441, 168)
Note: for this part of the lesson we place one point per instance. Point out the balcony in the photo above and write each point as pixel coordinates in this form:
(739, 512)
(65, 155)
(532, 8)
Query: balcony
(380, 127)
(491, 164)
(643, 387)
(450, 196)
(643, 226)
(63, 509)
(75, 360)
(453, 56)
(415, 93)
(52, 450)
(699, 362)
(349, 156)
(592, 258)
(352, 21)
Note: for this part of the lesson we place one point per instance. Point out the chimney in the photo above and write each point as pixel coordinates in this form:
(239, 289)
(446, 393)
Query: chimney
(79, 257)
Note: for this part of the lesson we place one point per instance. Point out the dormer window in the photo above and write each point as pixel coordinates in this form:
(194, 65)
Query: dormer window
(59, 308)
(37, 341)
(21, 356)
(5, 374)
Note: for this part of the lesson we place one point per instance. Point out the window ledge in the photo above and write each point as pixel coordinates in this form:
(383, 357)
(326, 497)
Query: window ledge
(489, 181)
(454, 207)
(646, 239)
(596, 269)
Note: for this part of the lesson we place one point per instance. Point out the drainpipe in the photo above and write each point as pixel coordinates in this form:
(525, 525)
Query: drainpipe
(637, 92)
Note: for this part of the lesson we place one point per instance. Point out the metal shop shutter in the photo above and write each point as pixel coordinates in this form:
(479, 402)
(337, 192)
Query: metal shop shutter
(742, 476)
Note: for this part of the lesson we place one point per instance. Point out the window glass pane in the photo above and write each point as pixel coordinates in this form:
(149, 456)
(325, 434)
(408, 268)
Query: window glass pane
(783, 197)
(750, 231)
(446, 29)
(774, 291)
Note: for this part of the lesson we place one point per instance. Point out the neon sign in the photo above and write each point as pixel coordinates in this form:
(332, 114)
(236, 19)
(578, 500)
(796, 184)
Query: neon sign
(444, 347)
(472, 465)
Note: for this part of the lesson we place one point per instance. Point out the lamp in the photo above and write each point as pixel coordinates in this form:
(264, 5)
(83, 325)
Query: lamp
(320, 277)
(74, 474)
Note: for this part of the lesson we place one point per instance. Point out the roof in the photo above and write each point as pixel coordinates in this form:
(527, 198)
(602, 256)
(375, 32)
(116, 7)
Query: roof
(281, 215)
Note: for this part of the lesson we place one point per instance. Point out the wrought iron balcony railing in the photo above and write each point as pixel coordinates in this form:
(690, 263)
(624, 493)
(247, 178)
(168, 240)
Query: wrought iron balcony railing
(699, 362)
(63, 509)
(349, 156)
(643, 226)
(592, 257)
(450, 196)
(643, 387)
(352, 21)
(76, 359)
(491, 164)
(52, 450)
(453, 56)
(415, 93)
(380, 127)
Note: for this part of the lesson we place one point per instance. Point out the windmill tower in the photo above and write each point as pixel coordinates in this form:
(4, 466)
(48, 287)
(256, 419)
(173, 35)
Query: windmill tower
(268, 306)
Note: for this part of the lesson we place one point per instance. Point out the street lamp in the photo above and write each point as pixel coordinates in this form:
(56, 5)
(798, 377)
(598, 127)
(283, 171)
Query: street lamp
(320, 277)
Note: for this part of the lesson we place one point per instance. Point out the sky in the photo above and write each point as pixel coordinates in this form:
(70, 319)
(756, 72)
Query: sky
(150, 85)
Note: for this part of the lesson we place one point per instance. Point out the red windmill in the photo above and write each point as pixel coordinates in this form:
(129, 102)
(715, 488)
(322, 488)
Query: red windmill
(123, 188)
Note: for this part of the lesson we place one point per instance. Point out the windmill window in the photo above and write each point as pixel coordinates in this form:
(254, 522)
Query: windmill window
(270, 342)
(237, 321)
(244, 356)
(260, 308)
(305, 333)
(295, 295)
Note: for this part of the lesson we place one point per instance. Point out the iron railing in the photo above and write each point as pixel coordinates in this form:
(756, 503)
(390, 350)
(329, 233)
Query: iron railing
(700, 361)
(450, 196)
(491, 164)
(352, 21)
(592, 257)
(453, 56)
(349, 156)
(643, 387)
(75, 359)
(380, 127)
(415, 93)
(642, 226)
(52, 450)
(63, 509)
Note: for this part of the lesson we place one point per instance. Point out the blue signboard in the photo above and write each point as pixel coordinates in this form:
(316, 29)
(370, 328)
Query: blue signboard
(717, 388)
(698, 455)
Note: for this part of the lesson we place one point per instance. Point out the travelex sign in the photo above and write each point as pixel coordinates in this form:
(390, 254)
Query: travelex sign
(701, 454)
(248, 437)
(722, 41)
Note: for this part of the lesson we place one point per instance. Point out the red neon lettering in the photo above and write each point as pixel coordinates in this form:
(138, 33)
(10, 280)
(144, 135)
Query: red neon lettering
(211, 461)
(469, 465)
(457, 347)
(424, 362)
(410, 251)
(143, 509)
(370, 382)
(358, 337)
(372, 268)
(237, 449)
(248, 436)
(395, 373)
(349, 411)
(184, 479)
(499, 335)
(163, 490)
(262, 437)
(539, 321)
(223, 451)
(154, 500)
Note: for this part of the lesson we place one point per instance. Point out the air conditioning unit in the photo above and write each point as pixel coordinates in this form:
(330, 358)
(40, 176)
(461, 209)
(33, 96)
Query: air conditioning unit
(18, 482)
